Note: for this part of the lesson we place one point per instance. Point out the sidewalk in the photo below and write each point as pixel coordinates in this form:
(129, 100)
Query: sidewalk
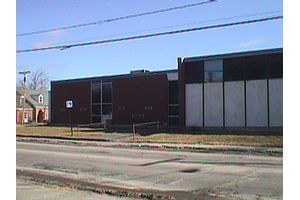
(161, 146)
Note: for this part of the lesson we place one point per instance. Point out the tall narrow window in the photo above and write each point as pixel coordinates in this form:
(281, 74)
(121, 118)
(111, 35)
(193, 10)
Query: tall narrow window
(22, 99)
(173, 113)
(101, 101)
(41, 99)
(213, 71)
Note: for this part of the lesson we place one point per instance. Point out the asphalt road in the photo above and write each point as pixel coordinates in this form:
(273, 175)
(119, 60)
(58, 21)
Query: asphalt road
(32, 191)
(243, 176)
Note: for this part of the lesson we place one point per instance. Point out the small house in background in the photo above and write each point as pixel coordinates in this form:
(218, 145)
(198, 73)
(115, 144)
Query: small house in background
(36, 107)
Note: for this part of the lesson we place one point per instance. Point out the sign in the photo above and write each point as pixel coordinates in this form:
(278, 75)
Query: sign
(69, 104)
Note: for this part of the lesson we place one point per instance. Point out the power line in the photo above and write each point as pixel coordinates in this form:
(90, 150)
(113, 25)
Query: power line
(276, 12)
(63, 47)
(100, 22)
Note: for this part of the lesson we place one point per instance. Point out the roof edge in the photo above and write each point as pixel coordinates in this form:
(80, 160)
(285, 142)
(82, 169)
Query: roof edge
(111, 76)
(233, 54)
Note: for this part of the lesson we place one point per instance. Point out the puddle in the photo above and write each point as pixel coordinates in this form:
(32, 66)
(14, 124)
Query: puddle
(189, 170)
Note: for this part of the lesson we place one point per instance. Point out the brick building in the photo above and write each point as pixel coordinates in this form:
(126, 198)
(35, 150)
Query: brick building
(140, 96)
(235, 90)
(36, 106)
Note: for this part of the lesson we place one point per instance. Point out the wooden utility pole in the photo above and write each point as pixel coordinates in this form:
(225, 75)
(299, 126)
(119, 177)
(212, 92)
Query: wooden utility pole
(24, 73)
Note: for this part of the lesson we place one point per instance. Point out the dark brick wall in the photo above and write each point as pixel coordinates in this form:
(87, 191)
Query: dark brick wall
(136, 95)
(80, 93)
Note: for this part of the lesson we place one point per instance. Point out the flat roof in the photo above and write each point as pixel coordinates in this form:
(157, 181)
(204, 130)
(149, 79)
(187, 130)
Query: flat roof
(112, 76)
(233, 54)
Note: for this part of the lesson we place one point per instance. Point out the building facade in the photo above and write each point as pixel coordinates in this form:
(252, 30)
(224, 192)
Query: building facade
(35, 106)
(138, 97)
(232, 90)
(236, 90)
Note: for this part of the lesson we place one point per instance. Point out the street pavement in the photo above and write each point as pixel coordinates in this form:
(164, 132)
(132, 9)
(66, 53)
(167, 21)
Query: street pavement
(223, 175)
(32, 191)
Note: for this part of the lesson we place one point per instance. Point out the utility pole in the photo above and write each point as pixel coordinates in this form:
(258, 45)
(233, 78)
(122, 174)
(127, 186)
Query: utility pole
(24, 73)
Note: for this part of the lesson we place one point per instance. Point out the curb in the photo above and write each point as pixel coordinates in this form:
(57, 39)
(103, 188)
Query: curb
(278, 152)
(63, 180)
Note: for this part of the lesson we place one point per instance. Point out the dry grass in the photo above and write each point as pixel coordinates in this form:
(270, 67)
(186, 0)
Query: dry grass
(65, 132)
(98, 133)
(239, 140)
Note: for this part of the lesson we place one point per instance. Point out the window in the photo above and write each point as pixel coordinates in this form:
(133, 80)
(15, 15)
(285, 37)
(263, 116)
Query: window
(41, 99)
(255, 67)
(234, 69)
(96, 92)
(173, 121)
(194, 72)
(96, 119)
(173, 92)
(107, 92)
(173, 103)
(173, 110)
(106, 109)
(275, 65)
(22, 99)
(96, 109)
(213, 71)
(101, 100)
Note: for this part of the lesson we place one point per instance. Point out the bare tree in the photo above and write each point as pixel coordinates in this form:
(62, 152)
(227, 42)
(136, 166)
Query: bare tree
(20, 83)
(37, 80)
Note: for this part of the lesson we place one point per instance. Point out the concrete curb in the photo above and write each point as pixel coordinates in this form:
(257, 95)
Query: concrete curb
(160, 146)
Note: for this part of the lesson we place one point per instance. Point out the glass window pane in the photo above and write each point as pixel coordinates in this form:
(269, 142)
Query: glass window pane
(173, 92)
(107, 93)
(96, 93)
(173, 110)
(213, 77)
(96, 110)
(213, 66)
(106, 109)
(96, 119)
(173, 121)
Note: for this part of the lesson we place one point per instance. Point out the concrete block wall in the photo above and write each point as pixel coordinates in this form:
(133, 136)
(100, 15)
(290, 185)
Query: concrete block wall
(213, 104)
(252, 97)
(276, 102)
(234, 104)
(257, 103)
(194, 105)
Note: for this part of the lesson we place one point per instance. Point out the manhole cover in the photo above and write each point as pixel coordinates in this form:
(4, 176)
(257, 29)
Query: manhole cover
(189, 170)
